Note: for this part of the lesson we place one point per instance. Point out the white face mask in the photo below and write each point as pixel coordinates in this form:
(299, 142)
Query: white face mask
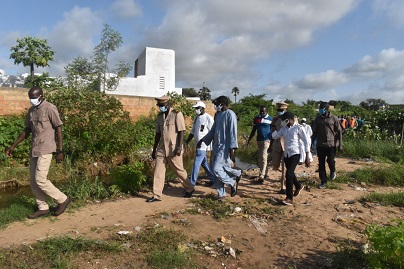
(197, 111)
(218, 108)
(35, 102)
(284, 123)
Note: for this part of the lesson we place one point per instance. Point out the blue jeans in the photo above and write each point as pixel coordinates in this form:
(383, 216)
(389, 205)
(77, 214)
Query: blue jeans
(201, 159)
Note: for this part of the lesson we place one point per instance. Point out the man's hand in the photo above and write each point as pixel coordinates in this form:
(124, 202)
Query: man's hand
(59, 157)
(232, 156)
(199, 144)
(178, 151)
(9, 152)
(307, 161)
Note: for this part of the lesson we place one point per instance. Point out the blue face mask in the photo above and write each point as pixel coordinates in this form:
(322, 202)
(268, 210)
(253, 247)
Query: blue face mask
(280, 113)
(321, 111)
(163, 108)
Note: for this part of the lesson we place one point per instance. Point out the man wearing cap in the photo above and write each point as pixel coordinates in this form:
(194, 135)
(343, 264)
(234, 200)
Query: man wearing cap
(224, 137)
(167, 148)
(262, 125)
(278, 144)
(292, 134)
(309, 132)
(327, 130)
(202, 124)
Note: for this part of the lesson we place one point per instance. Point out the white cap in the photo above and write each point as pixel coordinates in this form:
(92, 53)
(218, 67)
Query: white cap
(199, 104)
(304, 119)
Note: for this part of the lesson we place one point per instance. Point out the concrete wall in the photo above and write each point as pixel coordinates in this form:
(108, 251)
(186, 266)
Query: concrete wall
(154, 75)
(15, 101)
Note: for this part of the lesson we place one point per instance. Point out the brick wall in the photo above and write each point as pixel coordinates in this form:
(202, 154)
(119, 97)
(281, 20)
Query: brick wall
(15, 101)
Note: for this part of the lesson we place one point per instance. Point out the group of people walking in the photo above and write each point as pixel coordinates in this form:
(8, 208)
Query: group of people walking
(289, 143)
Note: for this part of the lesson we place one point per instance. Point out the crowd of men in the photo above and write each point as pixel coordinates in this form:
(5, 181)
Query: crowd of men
(288, 142)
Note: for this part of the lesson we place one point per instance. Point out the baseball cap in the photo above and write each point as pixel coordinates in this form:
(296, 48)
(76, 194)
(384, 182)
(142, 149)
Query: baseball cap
(199, 104)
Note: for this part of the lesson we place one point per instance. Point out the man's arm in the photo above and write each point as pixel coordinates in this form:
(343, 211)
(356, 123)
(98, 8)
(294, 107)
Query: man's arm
(180, 139)
(59, 147)
(24, 134)
(254, 129)
(156, 142)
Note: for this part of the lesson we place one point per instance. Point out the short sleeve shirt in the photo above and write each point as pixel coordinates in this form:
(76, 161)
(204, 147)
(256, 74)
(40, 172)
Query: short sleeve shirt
(169, 128)
(263, 126)
(43, 121)
(202, 125)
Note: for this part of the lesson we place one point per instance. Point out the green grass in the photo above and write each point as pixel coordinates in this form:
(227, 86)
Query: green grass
(55, 253)
(386, 199)
(378, 150)
(391, 175)
(18, 210)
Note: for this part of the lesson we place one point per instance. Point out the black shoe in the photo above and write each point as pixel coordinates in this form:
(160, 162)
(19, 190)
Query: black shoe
(152, 199)
(209, 183)
(39, 213)
(282, 191)
(189, 194)
(62, 207)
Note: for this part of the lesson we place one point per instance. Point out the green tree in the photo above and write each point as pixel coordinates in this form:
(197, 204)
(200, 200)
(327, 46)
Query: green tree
(111, 40)
(235, 91)
(32, 51)
(189, 92)
(81, 74)
(372, 104)
(204, 94)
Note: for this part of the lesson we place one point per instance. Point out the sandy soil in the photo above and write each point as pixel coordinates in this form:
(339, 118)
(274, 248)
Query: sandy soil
(302, 236)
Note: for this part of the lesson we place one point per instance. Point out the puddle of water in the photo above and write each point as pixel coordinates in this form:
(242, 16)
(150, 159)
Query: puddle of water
(9, 194)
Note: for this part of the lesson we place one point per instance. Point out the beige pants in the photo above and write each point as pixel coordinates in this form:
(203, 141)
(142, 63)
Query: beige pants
(160, 174)
(277, 161)
(40, 185)
(263, 157)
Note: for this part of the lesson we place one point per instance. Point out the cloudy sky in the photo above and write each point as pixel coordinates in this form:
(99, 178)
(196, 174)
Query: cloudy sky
(314, 49)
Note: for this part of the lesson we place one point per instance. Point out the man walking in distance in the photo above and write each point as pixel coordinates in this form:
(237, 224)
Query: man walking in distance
(44, 123)
(293, 133)
(224, 136)
(307, 130)
(327, 130)
(262, 125)
(278, 144)
(167, 148)
(202, 124)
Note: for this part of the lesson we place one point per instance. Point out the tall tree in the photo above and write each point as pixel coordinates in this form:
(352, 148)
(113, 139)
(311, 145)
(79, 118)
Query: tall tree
(204, 94)
(189, 92)
(110, 41)
(235, 91)
(32, 51)
(81, 74)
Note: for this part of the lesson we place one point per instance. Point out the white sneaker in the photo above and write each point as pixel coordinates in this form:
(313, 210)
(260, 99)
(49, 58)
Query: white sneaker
(333, 175)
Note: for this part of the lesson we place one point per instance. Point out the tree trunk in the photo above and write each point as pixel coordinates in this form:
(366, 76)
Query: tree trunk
(32, 71)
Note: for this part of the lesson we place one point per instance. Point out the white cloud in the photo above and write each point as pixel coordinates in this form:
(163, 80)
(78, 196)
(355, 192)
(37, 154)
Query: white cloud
(125, 9)
(392, 9)
(74, 36)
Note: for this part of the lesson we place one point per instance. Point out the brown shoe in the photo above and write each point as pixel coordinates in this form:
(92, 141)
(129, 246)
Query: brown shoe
(62, 207)
(38, 214)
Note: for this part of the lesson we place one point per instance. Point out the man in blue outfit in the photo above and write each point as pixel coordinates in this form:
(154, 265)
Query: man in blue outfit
(262, 125)
(224, 137)
(202, 124)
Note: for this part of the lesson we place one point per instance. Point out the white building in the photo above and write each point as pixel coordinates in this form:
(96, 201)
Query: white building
(154, 75)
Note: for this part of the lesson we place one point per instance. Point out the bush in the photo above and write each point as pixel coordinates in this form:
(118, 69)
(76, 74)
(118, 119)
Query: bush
(386, 249)
(386, 176)
(129, 177)
(10, 129)
(95, 124)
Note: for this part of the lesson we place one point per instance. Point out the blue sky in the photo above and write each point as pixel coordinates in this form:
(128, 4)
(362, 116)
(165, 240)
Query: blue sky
(322, 50)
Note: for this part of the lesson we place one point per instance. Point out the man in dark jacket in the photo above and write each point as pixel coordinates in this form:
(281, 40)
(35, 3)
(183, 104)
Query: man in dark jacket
(327, 130)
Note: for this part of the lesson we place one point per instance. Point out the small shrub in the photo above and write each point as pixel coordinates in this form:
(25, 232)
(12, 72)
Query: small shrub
(386, 176)
(386, 199)
(129, 177)
(386, 245)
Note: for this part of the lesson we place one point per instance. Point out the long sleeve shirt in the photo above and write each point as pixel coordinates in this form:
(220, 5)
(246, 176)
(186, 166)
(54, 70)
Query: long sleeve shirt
(292, 136)
(327, 130)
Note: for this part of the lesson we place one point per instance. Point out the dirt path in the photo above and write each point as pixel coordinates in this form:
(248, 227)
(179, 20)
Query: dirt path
(303, 235)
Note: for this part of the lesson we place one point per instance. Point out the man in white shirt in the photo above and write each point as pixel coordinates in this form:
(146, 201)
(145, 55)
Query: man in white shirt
(292, 134)
(309, 132)
(202, 125)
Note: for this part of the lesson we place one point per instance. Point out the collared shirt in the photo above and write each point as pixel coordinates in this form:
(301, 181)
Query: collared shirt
(202, 125)
(292, 136)
(43, 121)
(327, 130)
(263, 125)
(169, 128)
